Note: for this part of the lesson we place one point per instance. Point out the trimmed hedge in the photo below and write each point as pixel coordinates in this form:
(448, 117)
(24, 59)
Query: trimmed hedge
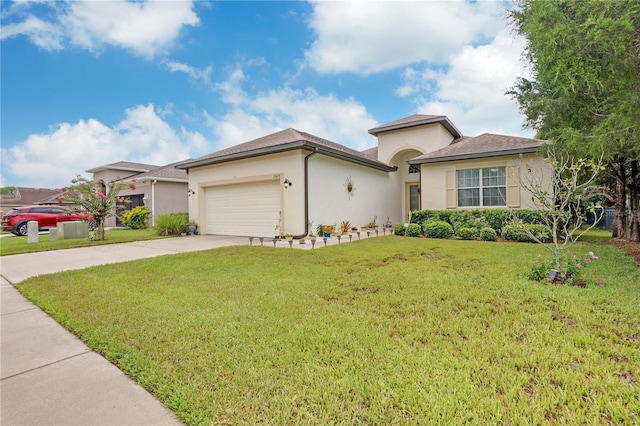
(494, 218)
(413, 230)
(438, 229)
(468, 233)
(398, 229)
(516, 233)
(488, 234)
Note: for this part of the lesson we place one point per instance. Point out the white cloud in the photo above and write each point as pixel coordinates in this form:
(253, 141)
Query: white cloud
(471, 90)
(202, 75)
(367, 37)
(53, 159)
(146, 28)
(250, 116)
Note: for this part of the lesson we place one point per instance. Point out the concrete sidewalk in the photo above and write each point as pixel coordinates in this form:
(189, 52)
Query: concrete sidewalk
(48, 376)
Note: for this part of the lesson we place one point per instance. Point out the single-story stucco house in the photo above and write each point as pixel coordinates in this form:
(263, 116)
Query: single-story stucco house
(163, 189)
(282, 182)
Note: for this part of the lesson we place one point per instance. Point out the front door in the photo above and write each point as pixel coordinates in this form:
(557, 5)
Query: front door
(412, 197)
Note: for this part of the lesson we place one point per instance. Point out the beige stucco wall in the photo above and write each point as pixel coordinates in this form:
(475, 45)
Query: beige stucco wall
(425, 139)
(434, 176)
(375, 193)
(280, 166)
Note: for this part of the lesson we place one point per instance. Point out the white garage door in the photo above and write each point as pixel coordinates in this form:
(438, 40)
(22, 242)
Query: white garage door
(249, 209)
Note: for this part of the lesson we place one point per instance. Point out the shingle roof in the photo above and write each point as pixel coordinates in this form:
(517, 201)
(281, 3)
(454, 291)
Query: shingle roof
(165, 173)
(27, 196)
(485, 145)
(124, 165)
(417, 120)
(281, 141)
(371, 153)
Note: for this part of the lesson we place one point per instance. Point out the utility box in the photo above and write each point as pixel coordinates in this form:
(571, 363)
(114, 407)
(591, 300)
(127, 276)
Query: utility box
(71, 230)
(32, 232)
(53, 234)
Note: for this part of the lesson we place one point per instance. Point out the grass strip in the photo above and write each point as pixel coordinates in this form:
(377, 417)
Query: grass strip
(387, 330)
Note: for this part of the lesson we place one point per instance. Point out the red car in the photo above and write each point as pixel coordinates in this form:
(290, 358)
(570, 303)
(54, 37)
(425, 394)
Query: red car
(15, 220)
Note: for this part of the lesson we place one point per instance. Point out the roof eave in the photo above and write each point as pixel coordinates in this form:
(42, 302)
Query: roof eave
(474, 155)
(301, 144)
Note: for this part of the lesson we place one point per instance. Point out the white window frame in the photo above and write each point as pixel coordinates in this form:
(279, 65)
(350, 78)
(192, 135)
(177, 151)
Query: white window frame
(481, 187)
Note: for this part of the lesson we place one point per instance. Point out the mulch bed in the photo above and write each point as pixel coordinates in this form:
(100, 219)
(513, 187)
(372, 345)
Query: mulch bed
(630, 247)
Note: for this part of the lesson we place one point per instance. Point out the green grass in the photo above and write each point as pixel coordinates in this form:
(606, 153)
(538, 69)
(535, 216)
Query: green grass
(18, 245)
(388, 330)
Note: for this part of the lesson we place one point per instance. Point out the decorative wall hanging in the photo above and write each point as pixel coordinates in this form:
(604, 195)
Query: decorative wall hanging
(349, 187)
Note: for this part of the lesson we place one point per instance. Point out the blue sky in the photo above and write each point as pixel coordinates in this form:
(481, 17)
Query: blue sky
(93, 82)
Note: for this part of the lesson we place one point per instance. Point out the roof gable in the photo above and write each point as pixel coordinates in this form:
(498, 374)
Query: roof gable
(417, 120)
(485, 145)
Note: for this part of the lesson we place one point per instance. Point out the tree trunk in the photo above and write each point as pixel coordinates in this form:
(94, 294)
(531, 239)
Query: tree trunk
(620, 221)
(634, 202)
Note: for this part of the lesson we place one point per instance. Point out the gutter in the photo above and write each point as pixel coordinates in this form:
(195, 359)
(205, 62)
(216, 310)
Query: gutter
(306, 195)
(473, 156)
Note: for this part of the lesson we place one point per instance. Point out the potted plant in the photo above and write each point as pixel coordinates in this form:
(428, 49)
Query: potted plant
(345, 226)
(327, 230)
(192, 227)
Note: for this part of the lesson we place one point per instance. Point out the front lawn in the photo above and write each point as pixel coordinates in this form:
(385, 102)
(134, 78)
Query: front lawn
(17, 245)
(387, 330)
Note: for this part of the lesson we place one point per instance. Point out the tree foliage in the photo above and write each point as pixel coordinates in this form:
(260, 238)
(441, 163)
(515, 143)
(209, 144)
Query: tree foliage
(98, 198)
(584, 93)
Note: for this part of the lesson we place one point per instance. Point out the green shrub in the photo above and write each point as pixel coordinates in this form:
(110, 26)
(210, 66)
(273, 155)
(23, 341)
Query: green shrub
(398, 229)
(488, 234)
(517, 233)
(172, 224)
(495, 218)
(413, 230)
(136, 218)
(438, 229)
(468, 233)
(529, 216)
(421, 216)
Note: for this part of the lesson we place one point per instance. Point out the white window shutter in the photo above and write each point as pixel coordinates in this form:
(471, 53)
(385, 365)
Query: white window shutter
(452, 198)
(513, 186)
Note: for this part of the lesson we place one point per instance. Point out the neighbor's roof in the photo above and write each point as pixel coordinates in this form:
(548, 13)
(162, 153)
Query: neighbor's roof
(286, 140)
(26, 196)
(485, 145)
(417, 120)
(125, 166)
(168, 173)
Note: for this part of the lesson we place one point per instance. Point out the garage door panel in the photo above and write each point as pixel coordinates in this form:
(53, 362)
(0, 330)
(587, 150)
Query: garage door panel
(243, 209)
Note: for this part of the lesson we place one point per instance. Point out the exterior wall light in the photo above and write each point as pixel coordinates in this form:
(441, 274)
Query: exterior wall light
(287, 183)
(191, 192)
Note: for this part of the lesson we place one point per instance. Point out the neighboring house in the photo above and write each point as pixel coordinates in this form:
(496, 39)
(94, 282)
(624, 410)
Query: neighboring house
(278, 183)
(23, 196)
(162, 189)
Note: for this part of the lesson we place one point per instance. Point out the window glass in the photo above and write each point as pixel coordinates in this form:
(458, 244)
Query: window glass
(482, 187)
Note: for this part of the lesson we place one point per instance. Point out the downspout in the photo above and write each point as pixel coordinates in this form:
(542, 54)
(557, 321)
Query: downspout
(306, 195)
(153, 203)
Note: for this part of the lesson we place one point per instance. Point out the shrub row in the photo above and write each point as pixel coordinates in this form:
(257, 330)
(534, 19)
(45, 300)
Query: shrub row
(493, 218)
(475, 224)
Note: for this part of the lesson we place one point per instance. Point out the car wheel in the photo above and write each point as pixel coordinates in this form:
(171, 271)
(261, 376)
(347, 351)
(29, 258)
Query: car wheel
(21, 229)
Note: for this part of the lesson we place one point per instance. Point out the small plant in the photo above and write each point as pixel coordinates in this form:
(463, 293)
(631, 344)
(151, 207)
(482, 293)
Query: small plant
(488, 234)
(571, 275)
(413, 230)
(328, 229)
(345, 226)
(373, 224)
(398, 229)
(136, 218)
(468, 233)
(172, 224)
(320, 229)
(438, 229)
